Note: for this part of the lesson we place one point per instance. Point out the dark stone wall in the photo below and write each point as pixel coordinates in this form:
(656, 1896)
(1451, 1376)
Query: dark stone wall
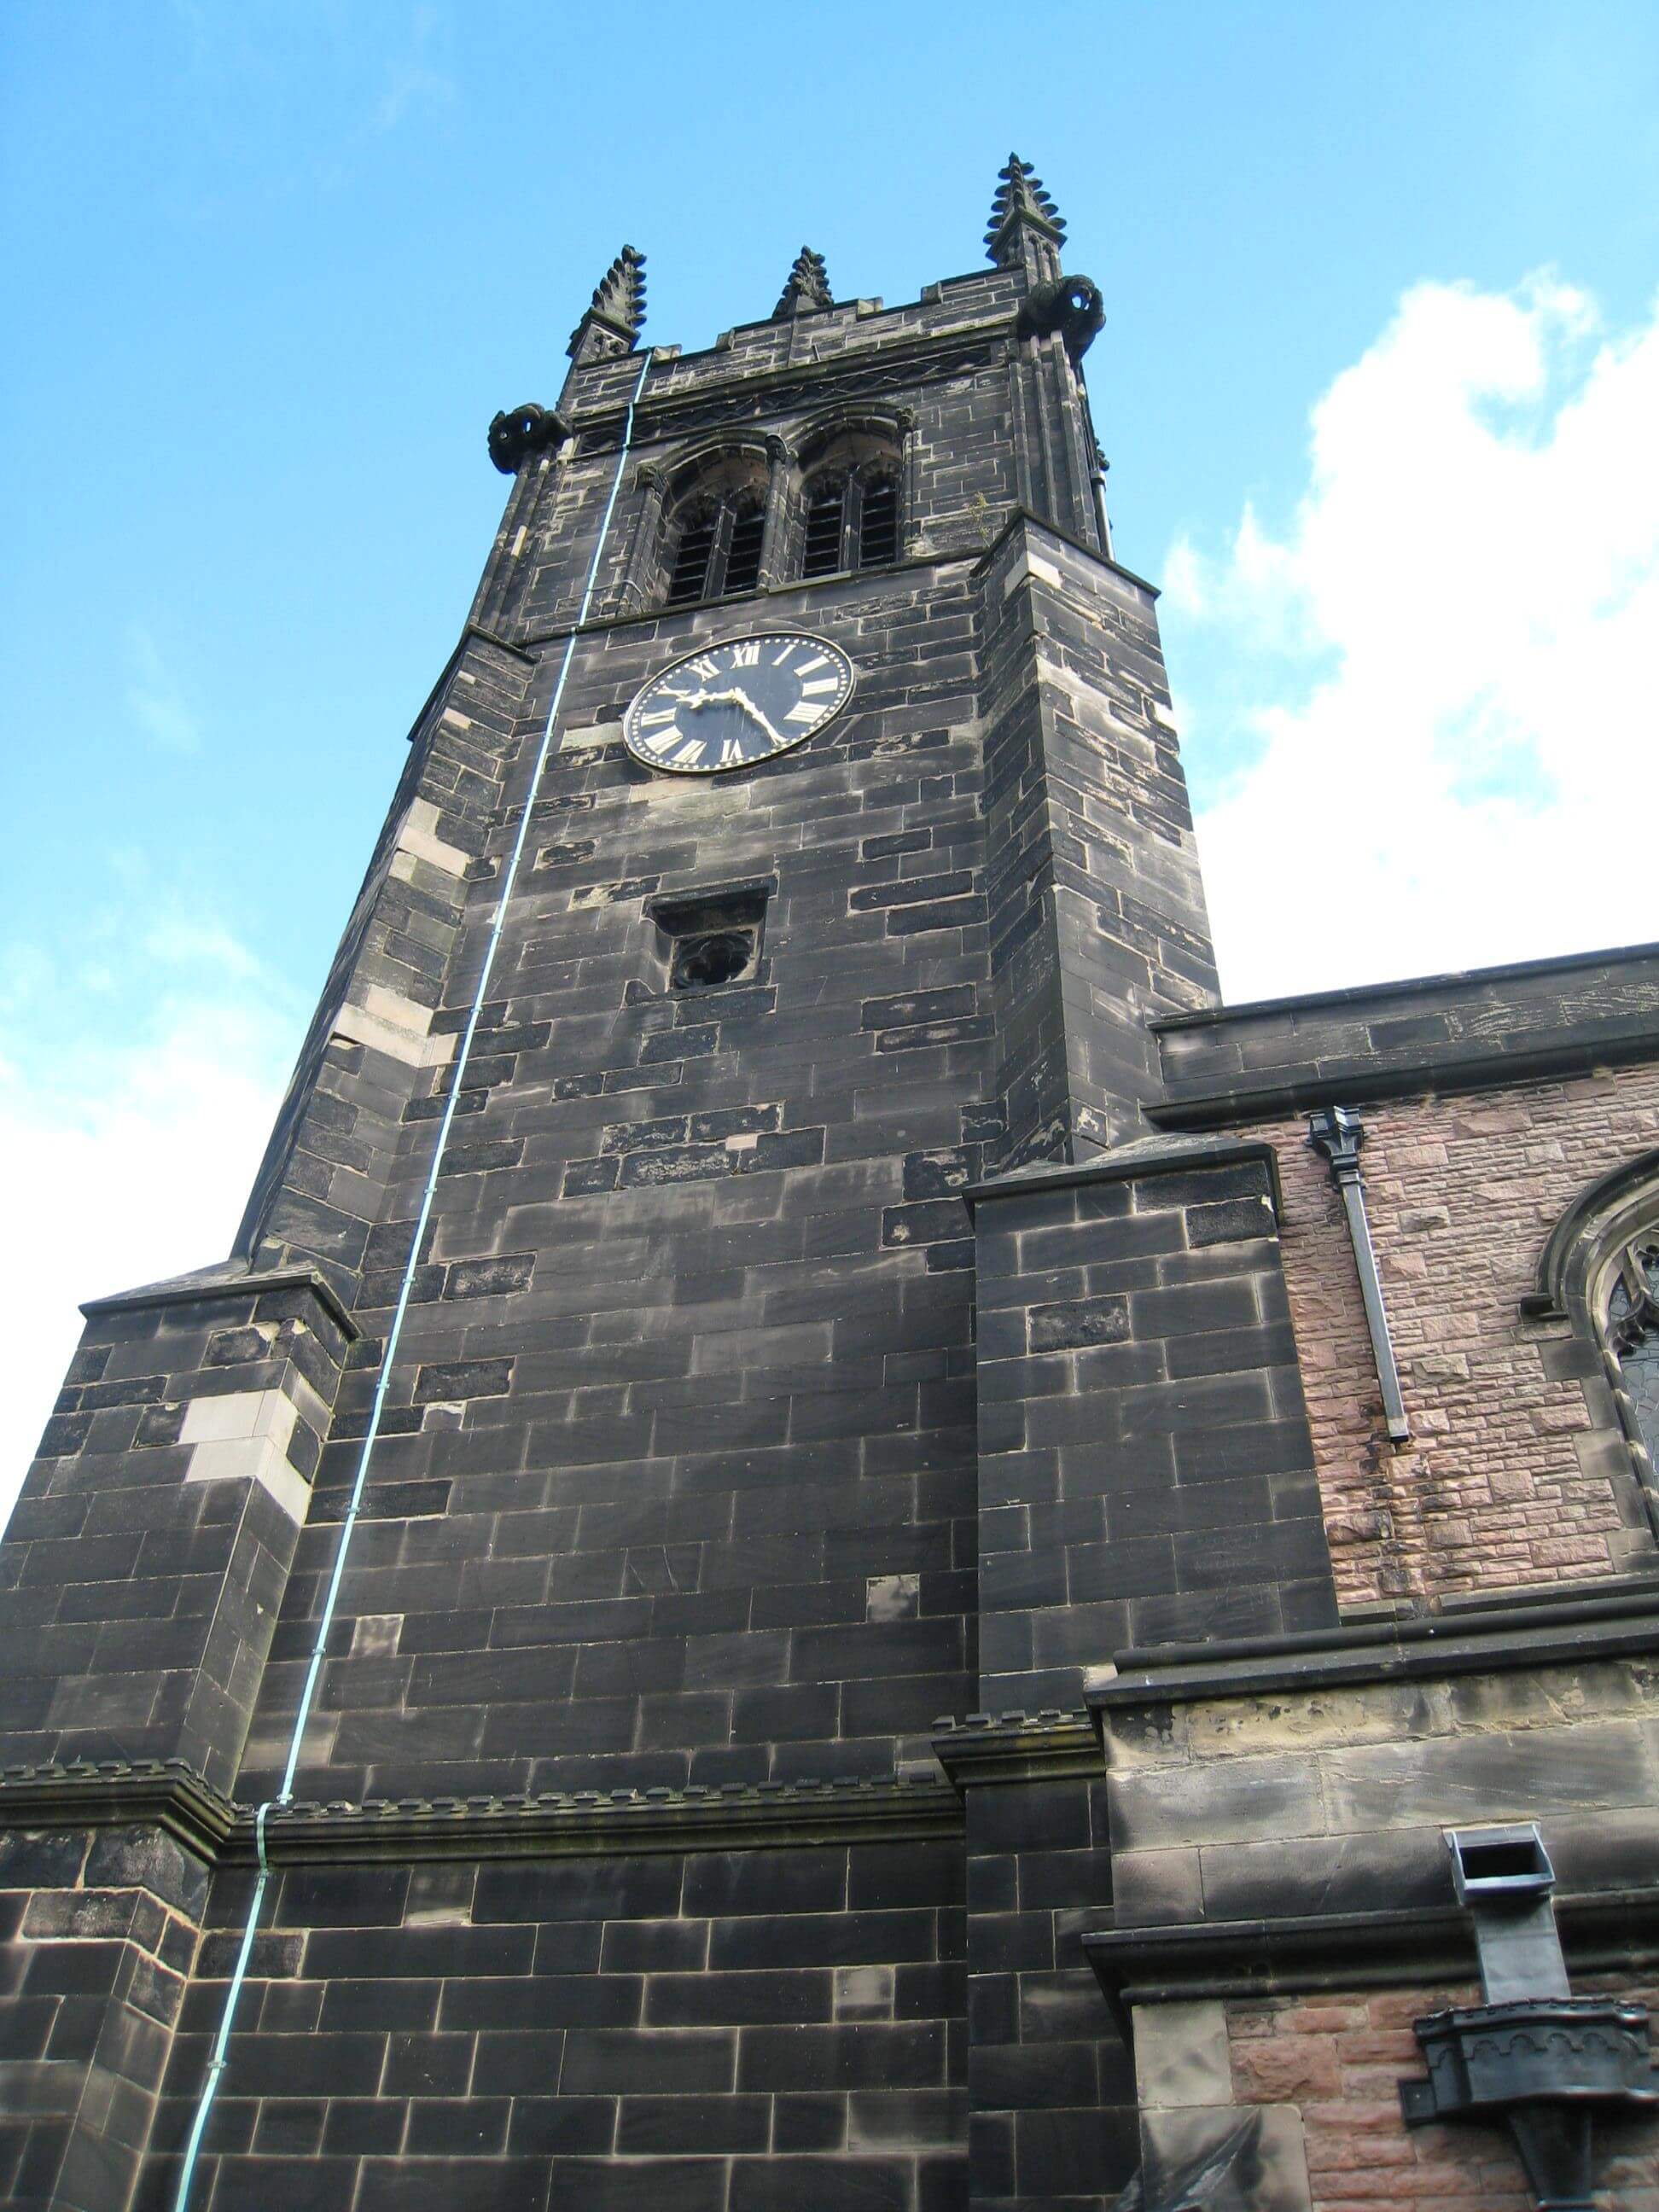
(1051, 2081)
(676, 1469)
(1145, 1468)
(1096, 908)
(97, 1934)
(146, 1559)
(321, 1186)
(678, 1482)
(721, 2032)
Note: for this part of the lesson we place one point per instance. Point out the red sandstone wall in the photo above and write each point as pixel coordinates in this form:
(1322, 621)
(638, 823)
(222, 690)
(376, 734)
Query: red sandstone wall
(1461, 1193)
(1340, 2060)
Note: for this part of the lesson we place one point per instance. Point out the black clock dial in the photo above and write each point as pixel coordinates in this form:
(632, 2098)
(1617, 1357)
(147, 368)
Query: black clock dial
(742, 700)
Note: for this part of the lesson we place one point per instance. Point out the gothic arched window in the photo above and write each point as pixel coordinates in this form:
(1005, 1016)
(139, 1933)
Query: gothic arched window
(1632, 1336)
(1599, 1271)
(717, 546)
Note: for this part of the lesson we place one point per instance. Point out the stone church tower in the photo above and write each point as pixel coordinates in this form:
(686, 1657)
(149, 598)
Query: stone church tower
(830, 1543)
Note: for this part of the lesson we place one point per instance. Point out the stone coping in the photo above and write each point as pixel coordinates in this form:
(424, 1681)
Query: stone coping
(1352, 995)
(1430, 1035)
(1143, 1157)
(229, 1278)
(1549, 1631)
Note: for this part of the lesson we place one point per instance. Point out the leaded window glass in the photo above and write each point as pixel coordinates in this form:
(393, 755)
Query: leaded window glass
(1633, 1326)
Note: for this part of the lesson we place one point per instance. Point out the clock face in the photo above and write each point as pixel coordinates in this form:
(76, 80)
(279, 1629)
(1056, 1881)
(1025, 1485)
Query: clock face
(742, 700)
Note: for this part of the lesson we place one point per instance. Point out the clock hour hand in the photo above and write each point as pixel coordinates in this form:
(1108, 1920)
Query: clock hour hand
(738, 698)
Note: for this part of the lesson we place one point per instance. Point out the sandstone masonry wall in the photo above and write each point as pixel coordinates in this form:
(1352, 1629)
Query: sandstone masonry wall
(1337, 2059)
(1501, 1483)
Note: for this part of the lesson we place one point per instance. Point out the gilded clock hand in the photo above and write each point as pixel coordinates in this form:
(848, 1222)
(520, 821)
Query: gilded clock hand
(755, 715)
(739, 698)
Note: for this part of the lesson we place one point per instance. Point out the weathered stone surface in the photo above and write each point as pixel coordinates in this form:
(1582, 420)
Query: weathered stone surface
(788, 1361)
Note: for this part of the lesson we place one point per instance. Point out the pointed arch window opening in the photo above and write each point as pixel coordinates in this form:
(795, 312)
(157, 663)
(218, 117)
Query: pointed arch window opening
(1598, 1271)
(1631, 1333)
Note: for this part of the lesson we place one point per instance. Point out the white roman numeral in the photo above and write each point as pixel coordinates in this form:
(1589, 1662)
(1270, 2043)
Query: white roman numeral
(806, 712)
(746, 655)
(778, 658)
(690, 752)
(731, 750)
(821, 684)
(818, 660)
(705, 667)
(657, 718)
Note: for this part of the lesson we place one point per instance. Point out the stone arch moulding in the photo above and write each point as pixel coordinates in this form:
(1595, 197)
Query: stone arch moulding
(892, 424)
(729, 475)
(1583, 1259)
(862, 443)
(717, 460)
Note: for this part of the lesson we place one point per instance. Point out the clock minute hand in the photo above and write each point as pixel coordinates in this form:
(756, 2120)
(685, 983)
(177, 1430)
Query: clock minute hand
(742, 699)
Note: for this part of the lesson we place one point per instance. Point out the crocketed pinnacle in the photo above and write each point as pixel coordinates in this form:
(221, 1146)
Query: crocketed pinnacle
(613, 322)
(1022, 212)
(808, 287)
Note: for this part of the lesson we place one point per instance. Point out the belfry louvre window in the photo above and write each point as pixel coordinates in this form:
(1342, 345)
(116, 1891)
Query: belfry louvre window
(826, 504)
(696, 543)
(742, 558)
(852, 520)
(878, 523)
(717, 551)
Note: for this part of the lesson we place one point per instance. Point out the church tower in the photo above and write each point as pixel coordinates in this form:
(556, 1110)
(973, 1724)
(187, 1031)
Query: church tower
(534, 1682)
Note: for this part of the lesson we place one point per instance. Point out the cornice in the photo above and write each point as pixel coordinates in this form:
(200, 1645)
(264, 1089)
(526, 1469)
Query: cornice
(590, 1823)
(116, 1793)
(554, 1824)
(1605, 1930)
(1018, 1746)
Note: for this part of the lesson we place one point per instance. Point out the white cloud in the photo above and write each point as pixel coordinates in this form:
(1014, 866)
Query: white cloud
(1445, 666)
(190, 941)
(129, 1158)
(411, 80)
(154, 699)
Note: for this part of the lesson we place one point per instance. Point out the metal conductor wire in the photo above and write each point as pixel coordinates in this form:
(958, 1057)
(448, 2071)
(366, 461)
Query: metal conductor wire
(221, 2042)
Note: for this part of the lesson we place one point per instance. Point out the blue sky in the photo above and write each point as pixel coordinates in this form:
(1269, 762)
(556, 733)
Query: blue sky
(1380, 384)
